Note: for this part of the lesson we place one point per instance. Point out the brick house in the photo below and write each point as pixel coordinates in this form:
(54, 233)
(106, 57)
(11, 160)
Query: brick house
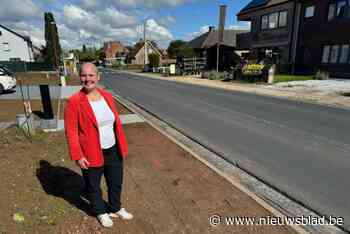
(115, 52)
(306, 35)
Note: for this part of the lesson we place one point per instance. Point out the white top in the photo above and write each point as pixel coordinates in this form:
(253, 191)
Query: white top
(105, 120)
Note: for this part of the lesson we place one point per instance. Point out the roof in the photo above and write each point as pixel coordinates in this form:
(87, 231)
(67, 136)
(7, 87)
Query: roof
(260, 3)
(210, 39)
(140, 45)
(255, 3)
(26, 38)
(112, 47)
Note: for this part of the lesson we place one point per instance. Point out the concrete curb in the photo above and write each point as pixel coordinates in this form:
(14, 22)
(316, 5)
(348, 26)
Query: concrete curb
(272, 200)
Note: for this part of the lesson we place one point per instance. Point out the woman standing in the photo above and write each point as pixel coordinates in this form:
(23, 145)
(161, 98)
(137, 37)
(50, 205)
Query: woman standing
(97, 144)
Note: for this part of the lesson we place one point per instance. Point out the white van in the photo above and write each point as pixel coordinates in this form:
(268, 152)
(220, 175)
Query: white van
(7, 79)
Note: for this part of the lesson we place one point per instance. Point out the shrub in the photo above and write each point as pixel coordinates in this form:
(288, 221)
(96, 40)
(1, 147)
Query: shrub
(322, 75)
(214, 75)
(154, 60)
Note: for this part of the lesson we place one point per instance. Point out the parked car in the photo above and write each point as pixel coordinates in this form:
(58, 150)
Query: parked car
(7, 79)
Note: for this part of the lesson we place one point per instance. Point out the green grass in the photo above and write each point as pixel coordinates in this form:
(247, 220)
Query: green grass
(286, 78)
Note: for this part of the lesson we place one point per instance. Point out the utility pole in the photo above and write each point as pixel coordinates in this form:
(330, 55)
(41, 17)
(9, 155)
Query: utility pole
(221, 30)
(145, 42)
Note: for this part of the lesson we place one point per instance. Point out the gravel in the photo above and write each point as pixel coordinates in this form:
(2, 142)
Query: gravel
(327, 86)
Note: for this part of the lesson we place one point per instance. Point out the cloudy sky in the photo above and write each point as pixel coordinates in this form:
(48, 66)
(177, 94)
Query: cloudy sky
(91, 22)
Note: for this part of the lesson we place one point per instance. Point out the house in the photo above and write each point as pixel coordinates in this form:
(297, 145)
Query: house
(137, 55)
(301, 36)
(15, 47)
(324, 37)
(115, 52)
(205, 45)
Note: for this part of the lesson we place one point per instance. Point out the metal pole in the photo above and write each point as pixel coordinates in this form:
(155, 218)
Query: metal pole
(217, 56)
(145, 42)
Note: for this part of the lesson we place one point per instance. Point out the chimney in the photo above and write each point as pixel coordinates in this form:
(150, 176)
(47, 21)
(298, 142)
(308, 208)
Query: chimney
(211, 28)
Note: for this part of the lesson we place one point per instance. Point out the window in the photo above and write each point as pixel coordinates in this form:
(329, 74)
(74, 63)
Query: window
(282, 20)
(309, 11)
(325, 56)
(335, 8)
(264, 22)
(340, 5)
(331, 11)
(5, 47)
(344, 54)
(274, 20)
(334, 54)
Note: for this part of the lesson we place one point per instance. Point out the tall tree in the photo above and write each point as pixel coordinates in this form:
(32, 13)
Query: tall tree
(179, 48)
(52, 48)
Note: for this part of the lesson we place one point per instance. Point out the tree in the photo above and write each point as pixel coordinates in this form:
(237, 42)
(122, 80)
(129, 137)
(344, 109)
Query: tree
(52, 47)
(100, 54)
(84, 48)
(154, 60)
(179, 48)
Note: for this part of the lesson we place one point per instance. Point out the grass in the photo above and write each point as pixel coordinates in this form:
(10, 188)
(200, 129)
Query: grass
(287, 78)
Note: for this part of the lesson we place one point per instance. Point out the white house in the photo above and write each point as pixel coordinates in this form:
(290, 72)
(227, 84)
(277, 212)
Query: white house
(15, 47)
(137, 55)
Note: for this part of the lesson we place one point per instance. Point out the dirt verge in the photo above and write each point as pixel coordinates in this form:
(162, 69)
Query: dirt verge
(165, 187)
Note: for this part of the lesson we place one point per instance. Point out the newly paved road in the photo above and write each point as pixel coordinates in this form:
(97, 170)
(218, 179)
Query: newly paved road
(302, 149)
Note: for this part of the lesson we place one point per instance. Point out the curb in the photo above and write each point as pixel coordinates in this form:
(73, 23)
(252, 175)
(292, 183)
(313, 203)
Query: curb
(272, 200)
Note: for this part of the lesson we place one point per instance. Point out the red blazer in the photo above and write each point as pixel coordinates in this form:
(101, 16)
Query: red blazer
(81, 129)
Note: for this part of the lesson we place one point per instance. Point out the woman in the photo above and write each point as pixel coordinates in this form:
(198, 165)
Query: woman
(97, 144)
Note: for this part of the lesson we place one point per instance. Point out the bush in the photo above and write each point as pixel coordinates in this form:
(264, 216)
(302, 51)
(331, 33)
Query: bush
(154, 60)
(322, 75)
(214, 75)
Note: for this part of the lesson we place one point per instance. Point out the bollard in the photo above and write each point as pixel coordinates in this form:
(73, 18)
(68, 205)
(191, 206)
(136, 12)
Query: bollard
(271, 74)
(63, 80)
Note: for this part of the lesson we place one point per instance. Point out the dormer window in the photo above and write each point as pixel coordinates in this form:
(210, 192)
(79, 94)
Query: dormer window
(309, 11)
(336, 8)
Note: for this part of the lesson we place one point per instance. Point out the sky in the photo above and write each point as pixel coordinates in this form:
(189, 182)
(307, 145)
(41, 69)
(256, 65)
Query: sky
(92, 22)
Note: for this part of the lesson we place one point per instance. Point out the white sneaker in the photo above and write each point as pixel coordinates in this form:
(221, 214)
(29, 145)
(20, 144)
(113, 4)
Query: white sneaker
(105, 220)
(122, 213)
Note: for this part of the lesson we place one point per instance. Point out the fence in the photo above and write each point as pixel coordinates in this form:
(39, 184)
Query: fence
(191, 65)
(21, 66)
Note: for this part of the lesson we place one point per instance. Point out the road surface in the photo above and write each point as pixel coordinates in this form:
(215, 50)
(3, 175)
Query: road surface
(301, 149)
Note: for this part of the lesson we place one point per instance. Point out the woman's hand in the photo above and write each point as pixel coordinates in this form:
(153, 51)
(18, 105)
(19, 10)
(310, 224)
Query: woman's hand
(83, 163)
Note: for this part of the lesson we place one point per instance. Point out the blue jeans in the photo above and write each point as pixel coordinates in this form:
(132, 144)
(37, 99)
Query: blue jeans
(113, 173)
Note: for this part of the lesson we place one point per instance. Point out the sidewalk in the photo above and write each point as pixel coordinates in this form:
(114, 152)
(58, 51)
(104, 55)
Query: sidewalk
(297, 91)
(166, 188)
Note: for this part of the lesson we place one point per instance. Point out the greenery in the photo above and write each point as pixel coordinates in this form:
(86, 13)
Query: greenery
(322, 75)
(287, 78)
(52, 50)
(179, 48)
(214, 75)
(154, 60)
(90, 54)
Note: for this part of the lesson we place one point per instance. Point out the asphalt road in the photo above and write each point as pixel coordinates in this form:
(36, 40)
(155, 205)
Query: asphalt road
(301, 149)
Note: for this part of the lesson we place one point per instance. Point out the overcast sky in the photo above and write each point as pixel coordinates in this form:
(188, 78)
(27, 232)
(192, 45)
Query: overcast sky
(93, 21)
